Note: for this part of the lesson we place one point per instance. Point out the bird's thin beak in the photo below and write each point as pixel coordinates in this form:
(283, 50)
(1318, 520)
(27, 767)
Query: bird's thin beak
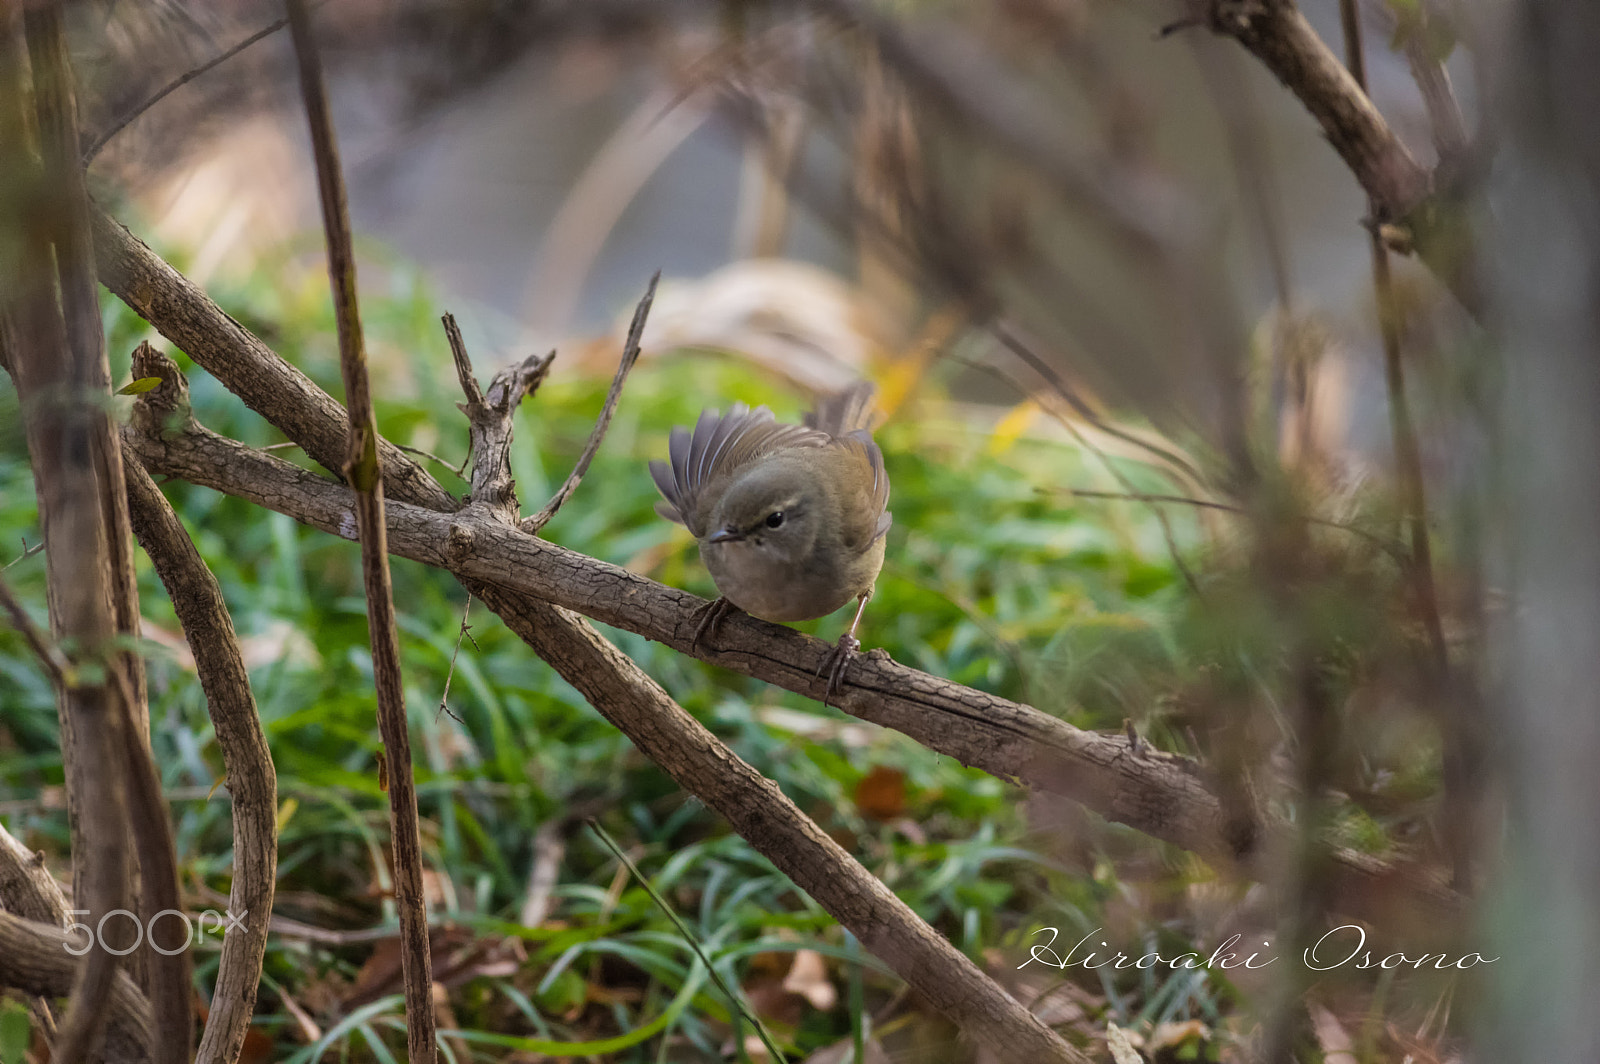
(725, 535)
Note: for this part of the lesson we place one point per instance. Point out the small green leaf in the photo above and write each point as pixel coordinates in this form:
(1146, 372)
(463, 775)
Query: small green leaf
(139, 386)
(15, 1031)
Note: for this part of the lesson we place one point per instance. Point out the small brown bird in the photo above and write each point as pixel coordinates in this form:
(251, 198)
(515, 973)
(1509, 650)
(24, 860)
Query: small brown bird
(790, 519)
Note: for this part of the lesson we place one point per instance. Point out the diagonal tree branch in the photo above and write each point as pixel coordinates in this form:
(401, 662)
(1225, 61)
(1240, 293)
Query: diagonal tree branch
(34, 957)
(775, 826)
(1402, 191)
(1277, 34)
(291, 401)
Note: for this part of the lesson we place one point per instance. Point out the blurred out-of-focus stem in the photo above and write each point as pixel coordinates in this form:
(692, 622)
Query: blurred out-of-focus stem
(364, 473)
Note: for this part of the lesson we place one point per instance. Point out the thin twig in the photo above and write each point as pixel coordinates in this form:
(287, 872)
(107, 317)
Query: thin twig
(630, 356)
(489, 423)
(1008, 337)
(465, 633)
(1132, 489)
(364, 473)
(1242, 129)
(1388, 546)
(1016, 346)
(44, 648)
(27, 552)
(127, 117)
(463, 363)
(735, 1001)
(1439, 100)
(1461, 751)
(1407, 452)
(456, 470)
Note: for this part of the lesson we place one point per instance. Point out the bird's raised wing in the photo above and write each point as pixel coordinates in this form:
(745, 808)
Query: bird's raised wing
(861, 442)
(719, 445)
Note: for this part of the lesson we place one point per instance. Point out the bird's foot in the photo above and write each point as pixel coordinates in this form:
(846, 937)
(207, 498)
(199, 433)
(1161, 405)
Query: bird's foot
(710, 615)
(836, 663)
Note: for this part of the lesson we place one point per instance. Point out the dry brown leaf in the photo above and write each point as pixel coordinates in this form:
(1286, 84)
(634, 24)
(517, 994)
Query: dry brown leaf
(258, 1048)
(881, 794)
(808, 977)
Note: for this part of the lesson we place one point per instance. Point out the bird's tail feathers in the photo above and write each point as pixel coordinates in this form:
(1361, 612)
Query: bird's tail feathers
(846, 411)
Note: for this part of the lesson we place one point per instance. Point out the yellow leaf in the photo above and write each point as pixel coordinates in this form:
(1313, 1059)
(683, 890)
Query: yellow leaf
(906, 371)
(285, 811)
(1013, 425)
(139, 386)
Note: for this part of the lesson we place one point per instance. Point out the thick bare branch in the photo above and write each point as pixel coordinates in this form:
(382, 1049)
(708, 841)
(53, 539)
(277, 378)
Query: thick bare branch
(181, 312)
(251, 779)
(27, 889)
(363, 469)
(57, 362)
(34, 958)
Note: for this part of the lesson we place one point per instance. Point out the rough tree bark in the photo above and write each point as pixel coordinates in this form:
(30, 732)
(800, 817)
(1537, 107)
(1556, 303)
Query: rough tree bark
(252, 781)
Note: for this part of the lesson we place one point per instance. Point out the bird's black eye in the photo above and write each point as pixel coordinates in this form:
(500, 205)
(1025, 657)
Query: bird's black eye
(775, 519)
